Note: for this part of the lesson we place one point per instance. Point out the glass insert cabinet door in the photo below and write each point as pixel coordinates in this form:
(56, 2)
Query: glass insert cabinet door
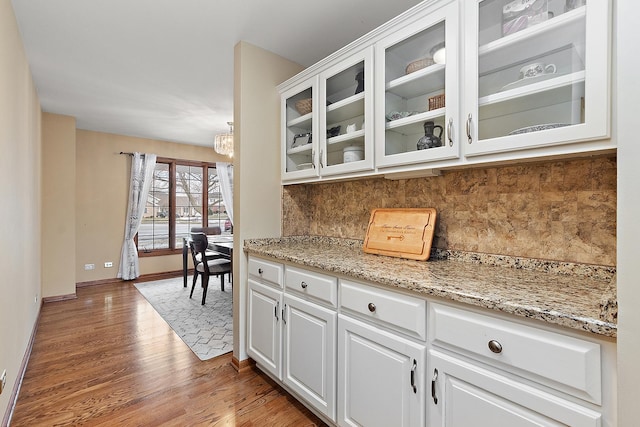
(537, 73)
(300, 136)
(346, 116)
(417, 77)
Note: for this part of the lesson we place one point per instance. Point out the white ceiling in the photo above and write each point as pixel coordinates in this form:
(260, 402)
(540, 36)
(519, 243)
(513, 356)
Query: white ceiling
(163, 69)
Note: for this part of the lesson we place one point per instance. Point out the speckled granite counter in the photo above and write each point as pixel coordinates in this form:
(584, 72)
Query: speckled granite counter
(571, 295)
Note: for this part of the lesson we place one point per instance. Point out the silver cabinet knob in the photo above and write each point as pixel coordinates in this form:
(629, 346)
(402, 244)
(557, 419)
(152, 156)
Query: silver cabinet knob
(259, 271)
(304, 285)
(495, 346)
(371, 307)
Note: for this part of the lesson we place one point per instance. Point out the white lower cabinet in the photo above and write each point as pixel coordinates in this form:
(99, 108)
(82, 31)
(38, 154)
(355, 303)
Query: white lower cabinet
(291, 337)
(264, 338)
(380, 377)
(309, 353)
(362, 355)
(465, 394)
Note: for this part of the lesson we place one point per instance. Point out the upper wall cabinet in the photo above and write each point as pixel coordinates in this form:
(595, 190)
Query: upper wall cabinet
(536, 73)
(417, 88)
(325, 131)
(299, 125)
(454, 83)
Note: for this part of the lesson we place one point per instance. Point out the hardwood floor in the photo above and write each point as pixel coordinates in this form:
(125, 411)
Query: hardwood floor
(107, 358)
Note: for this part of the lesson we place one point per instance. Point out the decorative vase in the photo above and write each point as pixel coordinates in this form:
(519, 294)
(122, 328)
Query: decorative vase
(429, 140)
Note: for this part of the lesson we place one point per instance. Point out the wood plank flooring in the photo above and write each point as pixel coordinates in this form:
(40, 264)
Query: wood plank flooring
(107, 358)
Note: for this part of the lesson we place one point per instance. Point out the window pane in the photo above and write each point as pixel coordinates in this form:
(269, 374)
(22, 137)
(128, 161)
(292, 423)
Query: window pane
(188, 200)
(154, 229)
(217, 212)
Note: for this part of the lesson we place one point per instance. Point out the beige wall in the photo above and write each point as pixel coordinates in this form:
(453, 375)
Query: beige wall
(20, 205)
(257, 168)
(560, 210)
(102, 188)
(58, 202)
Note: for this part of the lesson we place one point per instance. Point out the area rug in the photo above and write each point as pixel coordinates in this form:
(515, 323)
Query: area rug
(206, 329)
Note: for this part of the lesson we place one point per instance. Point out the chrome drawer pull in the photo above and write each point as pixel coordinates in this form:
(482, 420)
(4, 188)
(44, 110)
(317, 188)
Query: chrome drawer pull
(433, 386)
(371, 307)
(495, 346)
(304, 285)
(413, 376)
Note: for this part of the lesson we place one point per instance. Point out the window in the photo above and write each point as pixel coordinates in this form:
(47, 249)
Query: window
(183, 195)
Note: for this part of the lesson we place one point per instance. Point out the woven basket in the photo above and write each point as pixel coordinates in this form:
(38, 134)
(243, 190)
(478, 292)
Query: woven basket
(419, 65)
(436, 102)
(304, 106)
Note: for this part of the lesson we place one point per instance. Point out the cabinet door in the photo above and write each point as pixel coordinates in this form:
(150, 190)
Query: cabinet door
(346, 122)
(380, 377)
(463, 394)
(310, 353)
(299, 126)
(265, 337)
(536, 74)
(417, 109)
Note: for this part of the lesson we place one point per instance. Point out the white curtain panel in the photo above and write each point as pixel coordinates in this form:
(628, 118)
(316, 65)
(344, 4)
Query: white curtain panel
(142, 167)
(225, 176)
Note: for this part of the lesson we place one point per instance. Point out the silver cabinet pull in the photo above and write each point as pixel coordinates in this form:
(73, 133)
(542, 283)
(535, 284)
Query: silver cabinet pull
(304, 285)
(413, 376)
(450, 131)
(284, 311)
(433, 386)
(313, 158)
(320, 159)
(276, 310)
(495, 346)
(469, 129)
(371, 307)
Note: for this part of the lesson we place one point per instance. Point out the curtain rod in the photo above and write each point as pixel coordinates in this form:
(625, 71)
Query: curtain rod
(130, 154)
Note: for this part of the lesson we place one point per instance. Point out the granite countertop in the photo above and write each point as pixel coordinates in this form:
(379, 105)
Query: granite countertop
(571, 295)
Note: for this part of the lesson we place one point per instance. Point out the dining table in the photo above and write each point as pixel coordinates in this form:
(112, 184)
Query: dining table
(216, 243)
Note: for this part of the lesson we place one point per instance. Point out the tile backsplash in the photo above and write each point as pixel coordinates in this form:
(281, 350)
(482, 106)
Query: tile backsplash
(559, 210)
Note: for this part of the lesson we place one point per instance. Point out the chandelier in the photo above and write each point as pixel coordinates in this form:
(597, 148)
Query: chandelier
(224, 142)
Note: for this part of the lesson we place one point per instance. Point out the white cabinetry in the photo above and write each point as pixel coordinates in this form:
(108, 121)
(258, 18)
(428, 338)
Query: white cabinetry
(291, 335)
(508, 95)
(380, 373)
(543, 85)
(498, 372)
(334, 138)
(411, 45)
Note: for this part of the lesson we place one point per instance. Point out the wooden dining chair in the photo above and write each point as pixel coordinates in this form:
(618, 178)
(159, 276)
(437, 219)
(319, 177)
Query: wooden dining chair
(205, 265)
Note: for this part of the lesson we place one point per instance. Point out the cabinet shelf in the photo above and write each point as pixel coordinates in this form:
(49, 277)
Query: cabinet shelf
(301, 122)
(569, 87)
(341, 141)
(346, 109)
(302, 149)
(414, 124)
(561, 31)
(421, 82)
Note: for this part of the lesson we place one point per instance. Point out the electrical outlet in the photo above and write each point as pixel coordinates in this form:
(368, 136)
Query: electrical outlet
(89, 266)
(108, 264)
(3, 380)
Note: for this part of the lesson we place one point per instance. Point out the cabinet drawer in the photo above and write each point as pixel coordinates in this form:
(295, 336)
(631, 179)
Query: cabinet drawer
(266, 270)
(562, 362)
(397, 311)
(316, 286)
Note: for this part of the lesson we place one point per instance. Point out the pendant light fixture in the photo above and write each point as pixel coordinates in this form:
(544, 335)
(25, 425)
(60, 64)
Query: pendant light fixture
(223, 143)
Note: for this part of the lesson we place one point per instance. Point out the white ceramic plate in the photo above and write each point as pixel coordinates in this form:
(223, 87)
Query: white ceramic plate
(536, 128)
(528, 80)
(303, 166)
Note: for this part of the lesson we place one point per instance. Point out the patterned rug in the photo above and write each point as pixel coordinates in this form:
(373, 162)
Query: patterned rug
(206, 329)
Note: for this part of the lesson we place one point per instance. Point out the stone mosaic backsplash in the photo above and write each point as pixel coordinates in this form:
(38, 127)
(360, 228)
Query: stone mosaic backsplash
(558, 210)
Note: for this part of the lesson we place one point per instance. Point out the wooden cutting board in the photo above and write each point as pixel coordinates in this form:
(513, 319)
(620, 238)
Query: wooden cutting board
(404, 233)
